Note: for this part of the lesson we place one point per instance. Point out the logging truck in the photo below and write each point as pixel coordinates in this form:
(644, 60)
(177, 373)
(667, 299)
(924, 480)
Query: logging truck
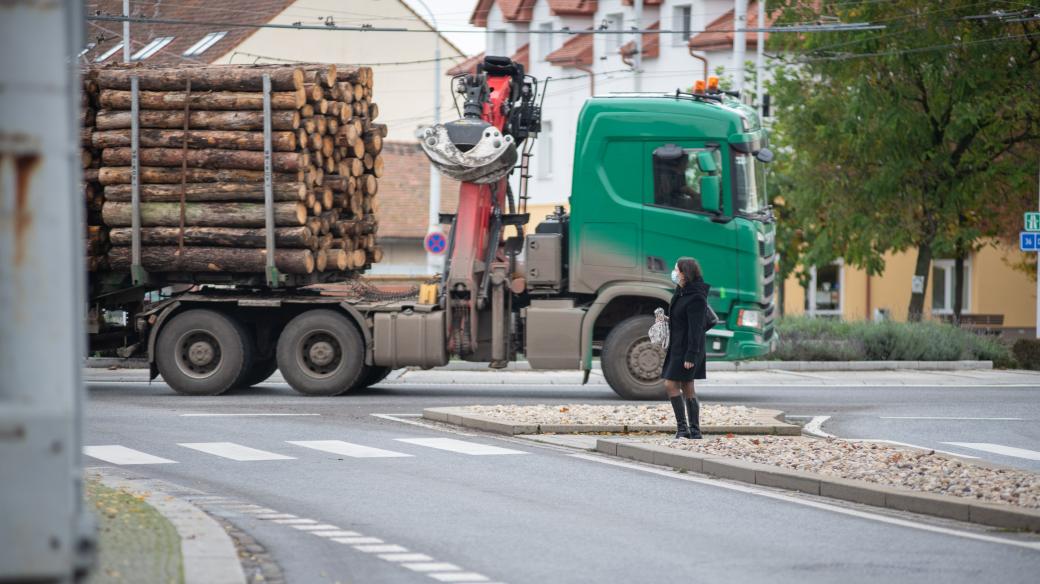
(655, 177)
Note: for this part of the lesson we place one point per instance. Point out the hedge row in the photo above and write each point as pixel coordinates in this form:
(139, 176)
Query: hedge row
(819, 339)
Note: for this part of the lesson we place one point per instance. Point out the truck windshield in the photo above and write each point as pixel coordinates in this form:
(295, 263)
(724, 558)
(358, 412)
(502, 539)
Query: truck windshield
(749, 184)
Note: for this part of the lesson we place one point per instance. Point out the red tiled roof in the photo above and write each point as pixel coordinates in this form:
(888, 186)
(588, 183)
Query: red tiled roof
(717, 35)
(512, 11)
(576, 51)
(109, 34)
(651, 44)
(404, 192)
(467, 66)
(573, 7)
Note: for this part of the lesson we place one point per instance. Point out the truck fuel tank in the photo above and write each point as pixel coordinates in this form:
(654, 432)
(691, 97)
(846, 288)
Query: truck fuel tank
(409, 339)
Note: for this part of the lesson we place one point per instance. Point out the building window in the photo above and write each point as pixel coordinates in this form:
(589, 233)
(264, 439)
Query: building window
(545, 40)
(681, 24)
(204, 43)
(615, 22)
(943, 291)
(108, 53)
(497, 46)
(545, 151)
(825, 296)
(151, 48)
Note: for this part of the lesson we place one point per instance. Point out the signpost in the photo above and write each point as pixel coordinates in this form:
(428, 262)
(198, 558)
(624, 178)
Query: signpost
(1029, 241)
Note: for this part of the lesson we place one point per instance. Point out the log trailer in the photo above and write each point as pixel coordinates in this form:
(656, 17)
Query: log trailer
(656, 177)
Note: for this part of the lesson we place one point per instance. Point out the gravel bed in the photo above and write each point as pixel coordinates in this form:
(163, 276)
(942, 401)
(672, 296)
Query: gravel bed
(876, 463)
(661, 414)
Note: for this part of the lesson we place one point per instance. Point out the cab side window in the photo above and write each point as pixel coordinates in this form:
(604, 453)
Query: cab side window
(677, 177)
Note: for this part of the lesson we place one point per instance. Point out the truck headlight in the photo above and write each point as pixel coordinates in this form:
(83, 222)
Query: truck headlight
(749, 318)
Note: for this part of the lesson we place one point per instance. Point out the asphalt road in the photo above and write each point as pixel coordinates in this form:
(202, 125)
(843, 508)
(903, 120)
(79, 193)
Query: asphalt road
(528, 512)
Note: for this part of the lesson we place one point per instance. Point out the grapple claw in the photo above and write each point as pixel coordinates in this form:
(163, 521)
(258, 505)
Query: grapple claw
(490, 159)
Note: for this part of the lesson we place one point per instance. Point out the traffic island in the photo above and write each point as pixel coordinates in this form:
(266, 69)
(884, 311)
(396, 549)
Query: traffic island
(611, 419)
(135, 542)
(904, 479)
(147, 535)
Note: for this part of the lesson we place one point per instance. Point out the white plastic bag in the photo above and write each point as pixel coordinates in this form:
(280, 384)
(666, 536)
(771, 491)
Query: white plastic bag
(659, 330)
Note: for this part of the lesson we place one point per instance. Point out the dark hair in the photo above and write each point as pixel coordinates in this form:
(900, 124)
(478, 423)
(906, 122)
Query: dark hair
(690, 269)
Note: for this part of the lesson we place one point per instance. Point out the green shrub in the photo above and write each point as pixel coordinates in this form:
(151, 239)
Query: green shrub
(819, 339)
(1027, 352)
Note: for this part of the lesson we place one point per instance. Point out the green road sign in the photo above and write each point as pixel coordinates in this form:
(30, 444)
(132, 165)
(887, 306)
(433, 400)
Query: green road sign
(1033, 221)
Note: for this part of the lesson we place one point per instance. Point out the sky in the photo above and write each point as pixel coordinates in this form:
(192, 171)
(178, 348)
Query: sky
(454, 14)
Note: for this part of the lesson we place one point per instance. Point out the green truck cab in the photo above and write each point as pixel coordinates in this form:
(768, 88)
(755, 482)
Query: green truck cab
(657, 178)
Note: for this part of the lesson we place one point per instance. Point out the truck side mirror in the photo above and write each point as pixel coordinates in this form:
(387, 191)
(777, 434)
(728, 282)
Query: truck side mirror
(706, 162)
(710, 191)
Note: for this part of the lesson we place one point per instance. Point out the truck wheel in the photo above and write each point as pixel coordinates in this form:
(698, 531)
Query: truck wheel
(320, 352)
(372, 375)
(631, 363)
(259, 372)
(202, 352)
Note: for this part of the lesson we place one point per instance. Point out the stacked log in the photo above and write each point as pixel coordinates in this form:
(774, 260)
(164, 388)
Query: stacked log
(96, 244)
(201, 156)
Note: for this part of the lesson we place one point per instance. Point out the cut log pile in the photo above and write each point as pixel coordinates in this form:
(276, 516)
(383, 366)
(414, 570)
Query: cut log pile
(201, 175)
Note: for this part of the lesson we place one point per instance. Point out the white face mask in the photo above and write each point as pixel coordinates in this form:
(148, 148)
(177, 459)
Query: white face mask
(675, 277)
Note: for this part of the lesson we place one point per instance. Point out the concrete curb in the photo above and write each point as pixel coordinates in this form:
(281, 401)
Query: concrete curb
(208, 554)
(1003, 516)
(769, 422)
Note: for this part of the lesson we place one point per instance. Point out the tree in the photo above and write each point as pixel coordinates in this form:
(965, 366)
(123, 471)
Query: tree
(910, 137)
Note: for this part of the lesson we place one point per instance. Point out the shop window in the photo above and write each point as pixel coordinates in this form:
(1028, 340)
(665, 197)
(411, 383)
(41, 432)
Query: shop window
(943, 274)
(825, 295)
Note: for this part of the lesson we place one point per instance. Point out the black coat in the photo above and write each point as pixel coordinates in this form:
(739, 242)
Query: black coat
(687, 314)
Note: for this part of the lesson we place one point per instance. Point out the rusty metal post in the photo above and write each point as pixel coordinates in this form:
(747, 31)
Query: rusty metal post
(44, 527)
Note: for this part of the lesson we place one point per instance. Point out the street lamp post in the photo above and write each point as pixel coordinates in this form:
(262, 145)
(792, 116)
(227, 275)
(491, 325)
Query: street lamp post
(433, 261)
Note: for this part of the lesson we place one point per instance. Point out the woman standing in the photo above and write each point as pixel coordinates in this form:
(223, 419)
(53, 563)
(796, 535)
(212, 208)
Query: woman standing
(686, 356)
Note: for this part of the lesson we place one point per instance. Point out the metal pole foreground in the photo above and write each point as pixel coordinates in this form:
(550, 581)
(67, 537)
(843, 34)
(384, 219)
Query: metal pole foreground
(44, 528)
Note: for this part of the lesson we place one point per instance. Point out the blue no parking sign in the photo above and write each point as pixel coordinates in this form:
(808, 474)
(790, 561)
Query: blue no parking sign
(435, 242)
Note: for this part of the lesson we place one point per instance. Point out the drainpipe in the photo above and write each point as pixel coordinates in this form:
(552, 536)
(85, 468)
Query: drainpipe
(592, 77)
(702, 60)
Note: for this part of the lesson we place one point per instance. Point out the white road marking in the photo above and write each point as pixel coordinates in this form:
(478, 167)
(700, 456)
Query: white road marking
(947, 418)
(460, 446)
(234, 451)
(274, 516)
(116, 454)
(261, 511)
(432, 567)
(318, 527)
(999, 449)
(422, 424)
(907, 444)
(347, 449)
(779, 496)
(337, 533)
(219, 415)
(815, 427)
(459, 577)
(405, 557)
(296, 521)
(357, 540)
(380, 548)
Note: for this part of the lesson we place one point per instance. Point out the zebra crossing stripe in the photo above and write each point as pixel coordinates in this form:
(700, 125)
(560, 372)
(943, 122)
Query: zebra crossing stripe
(460, 446)
(116, 454)
(234, 451)
(459, 577)
(337, 533)
(432, 567)
(380, 548)
(318, 527)
(357, 540)
(347, 449)
(999, 449)
(405, 557)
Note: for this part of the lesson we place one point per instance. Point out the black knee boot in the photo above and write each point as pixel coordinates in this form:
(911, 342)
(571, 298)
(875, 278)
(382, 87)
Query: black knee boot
(680, 417)
(694, 408)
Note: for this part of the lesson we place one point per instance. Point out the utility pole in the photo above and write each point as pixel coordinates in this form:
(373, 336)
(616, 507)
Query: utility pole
(45, 529)
(759, 57)
(739, 42)
(126, 31)
(434, 262)
(638, 61)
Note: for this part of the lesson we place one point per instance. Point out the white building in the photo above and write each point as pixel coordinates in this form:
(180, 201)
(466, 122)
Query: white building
(581, 65)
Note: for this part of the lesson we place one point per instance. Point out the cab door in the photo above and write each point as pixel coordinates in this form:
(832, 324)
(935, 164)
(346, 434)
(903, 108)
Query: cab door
(675, 223)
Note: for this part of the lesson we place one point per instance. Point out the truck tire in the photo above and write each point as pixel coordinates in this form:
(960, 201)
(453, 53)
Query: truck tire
(321, 353)
(258, 373)
(202, 352)
(631, 363)
(372, 375)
